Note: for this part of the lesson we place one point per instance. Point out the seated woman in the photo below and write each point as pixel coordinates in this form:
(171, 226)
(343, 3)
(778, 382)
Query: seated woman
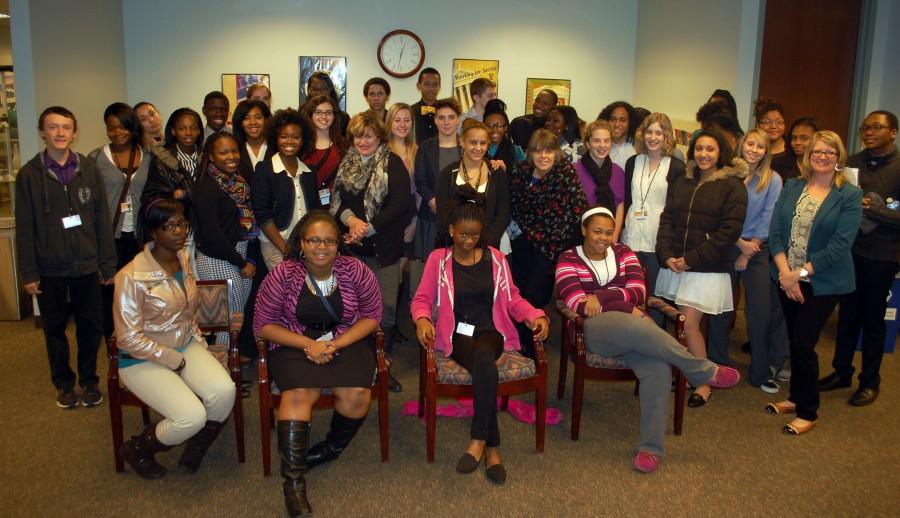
(317, 308)
(163, 356)
(474, 323)
(602, 281)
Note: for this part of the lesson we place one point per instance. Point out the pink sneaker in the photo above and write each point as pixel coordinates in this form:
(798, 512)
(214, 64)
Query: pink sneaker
(646, 462)
(725, 377)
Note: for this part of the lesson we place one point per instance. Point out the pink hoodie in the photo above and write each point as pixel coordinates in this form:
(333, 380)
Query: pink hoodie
(437, 284)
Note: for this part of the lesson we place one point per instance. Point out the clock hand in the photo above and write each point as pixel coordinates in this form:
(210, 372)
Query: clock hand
(400, 58)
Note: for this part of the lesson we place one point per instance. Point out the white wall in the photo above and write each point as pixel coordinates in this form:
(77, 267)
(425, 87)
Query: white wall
(176, 50)
(686, 50)
(69, 54)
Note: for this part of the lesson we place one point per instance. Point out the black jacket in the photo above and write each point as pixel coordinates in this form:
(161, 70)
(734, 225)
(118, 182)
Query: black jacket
(426, 175)
(165, 177)
(701, 222)
(522, 127)
(217, 229)
(274, 197)
(47, 249)
(496, 210)
(879, 175)
(423, 123)
(391, 220)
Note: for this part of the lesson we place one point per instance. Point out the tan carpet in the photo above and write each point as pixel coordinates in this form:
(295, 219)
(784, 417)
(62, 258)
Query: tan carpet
(732, 459)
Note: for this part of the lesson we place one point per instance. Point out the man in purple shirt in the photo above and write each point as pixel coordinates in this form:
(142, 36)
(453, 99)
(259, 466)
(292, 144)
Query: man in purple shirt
(65, 246)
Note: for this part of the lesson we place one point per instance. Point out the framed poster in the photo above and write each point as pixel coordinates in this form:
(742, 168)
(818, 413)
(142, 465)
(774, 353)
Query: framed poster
(467, 70)
(335, 66)
(235, 86)
(533, 86)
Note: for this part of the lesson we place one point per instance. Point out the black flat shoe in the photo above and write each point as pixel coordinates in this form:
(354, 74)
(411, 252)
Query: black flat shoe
(496, 473)
(467, 464)
(696, 400)
(833, 382)
(864, 397)
(393, 384)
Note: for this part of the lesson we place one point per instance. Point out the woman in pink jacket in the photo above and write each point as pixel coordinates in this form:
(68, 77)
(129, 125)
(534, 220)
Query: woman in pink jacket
(476, 304)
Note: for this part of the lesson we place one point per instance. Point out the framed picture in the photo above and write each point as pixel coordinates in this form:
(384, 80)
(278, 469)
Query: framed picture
(235, 86)
(467, 70)
(335, 66)
(534, 85)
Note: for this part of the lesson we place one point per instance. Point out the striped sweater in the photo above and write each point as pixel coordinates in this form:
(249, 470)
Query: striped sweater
(575, 282)
(276, 302)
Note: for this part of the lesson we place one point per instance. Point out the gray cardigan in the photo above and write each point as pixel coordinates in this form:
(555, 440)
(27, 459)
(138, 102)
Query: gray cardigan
(114, 181)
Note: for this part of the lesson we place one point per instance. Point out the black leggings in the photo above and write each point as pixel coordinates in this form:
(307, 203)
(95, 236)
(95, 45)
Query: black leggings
(479, 355)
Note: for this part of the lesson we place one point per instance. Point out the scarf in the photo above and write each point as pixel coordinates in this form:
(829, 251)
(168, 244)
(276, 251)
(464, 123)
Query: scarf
(237, 189)
(355, 175)
(601, 175)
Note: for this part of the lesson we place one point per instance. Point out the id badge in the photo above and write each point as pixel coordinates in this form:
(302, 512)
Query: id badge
(465, 329)
(125, 206)
(640, 215)
(324, 196)
(72, 221)
(326, 337)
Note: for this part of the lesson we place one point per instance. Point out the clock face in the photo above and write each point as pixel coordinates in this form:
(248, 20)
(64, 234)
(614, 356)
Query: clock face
(401, 53)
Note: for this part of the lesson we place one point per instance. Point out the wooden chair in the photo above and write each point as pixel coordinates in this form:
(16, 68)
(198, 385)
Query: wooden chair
(441, 377)
(595, 367)
(212, 316)
(270, 399)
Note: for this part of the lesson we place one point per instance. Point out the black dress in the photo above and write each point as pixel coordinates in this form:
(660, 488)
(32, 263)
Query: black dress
(353, 366)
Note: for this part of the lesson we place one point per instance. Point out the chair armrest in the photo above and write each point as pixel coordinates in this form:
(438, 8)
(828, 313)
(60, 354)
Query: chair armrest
(262, 364)
(568, 313)
(428, 358)
(380, 355)
(672, 314)
(112, 354)
(540, 356)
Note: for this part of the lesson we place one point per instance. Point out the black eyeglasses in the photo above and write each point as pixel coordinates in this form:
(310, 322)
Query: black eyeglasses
(875, 128)
(170, 227)
(315, 242)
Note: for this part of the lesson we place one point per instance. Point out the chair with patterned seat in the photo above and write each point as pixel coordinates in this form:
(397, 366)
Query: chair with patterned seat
(212, 316)
(270, 399)
(588, 365)
(441, 377)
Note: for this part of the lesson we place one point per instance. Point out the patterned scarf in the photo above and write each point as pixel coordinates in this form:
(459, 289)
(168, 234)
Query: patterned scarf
(237, 189)
(354, 175)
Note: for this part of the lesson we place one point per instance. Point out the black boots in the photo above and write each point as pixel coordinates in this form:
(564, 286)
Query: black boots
(342, 431)
(197, 445)
(139, 450)
(293, 442)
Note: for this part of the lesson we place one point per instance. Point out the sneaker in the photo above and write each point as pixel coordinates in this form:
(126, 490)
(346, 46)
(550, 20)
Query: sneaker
(91, 396)
(646, 462)
(770, 386)
(66, 398)
(783, 374)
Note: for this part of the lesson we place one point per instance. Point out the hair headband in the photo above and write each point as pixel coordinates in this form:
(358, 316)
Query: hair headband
(596, 210)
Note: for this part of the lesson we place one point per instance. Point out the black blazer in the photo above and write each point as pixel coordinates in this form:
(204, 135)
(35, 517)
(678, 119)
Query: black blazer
(496, 211)
(426, 175)
(391, 220)
(273, 195)
(245, 166)
(217, 229)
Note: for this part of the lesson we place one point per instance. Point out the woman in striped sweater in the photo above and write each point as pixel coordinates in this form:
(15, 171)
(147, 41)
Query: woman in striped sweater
(603, 282)
(317, 308)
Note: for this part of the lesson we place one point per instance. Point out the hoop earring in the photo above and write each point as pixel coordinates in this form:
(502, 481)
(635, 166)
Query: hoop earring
(838, 168)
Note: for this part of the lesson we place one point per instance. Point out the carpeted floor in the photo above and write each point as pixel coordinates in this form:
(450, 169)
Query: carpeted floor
(731, 461)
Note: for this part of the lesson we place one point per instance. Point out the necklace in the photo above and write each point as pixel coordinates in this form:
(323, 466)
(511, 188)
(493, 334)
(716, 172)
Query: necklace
(590, 262)
(326, 286)
(465, 172)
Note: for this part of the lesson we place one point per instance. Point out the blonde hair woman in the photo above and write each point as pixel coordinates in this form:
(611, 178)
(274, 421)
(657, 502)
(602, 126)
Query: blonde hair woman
(765, 321)
(814, 224)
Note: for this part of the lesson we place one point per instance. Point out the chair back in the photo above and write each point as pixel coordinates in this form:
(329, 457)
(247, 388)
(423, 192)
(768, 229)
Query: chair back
(212, 312)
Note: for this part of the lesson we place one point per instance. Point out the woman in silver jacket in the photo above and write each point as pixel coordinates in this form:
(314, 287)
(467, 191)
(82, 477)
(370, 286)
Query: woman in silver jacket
(163, 356)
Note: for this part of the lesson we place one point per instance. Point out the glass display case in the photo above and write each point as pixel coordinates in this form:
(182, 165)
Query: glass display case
(13, 304)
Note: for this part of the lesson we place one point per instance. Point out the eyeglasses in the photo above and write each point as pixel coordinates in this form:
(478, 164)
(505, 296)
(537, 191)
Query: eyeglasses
(316, 241)
(874, 128)
(772, 122)
(323, 113)
(824, 153)
(170, 227)
(496, 125)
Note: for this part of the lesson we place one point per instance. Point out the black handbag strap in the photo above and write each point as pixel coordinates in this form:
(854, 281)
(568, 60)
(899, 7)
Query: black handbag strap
(328, 307)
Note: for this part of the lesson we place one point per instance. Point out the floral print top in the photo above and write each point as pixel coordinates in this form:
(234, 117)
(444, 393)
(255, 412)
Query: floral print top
(801, 225)
(548, 211)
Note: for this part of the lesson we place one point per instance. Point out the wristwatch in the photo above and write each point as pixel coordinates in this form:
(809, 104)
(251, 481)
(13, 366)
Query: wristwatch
(804, 273)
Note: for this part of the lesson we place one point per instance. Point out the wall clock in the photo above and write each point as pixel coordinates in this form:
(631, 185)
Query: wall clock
(401, 53)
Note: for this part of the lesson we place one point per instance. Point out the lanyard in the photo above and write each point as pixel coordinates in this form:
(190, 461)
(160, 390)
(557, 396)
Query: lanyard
(641, 191)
